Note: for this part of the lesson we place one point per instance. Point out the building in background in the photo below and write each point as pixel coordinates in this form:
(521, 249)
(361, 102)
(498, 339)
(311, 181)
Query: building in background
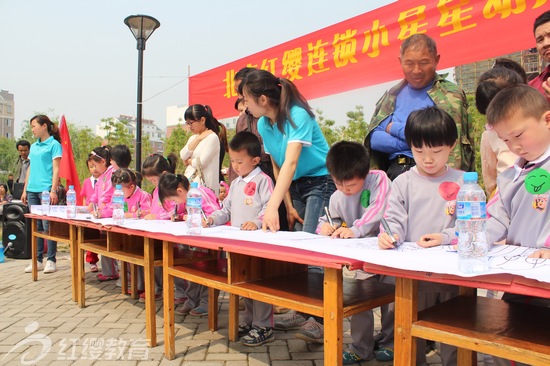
(7, 107)
(467, 75)
(148, 128)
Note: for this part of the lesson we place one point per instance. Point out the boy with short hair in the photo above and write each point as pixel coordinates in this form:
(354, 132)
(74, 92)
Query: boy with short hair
(244, 207)
(521, 118)
(423, 200)
(355, 209)
(520, 115)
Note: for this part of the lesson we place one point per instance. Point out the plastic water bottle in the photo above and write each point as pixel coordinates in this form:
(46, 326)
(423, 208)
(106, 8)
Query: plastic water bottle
(45, 201)
(194, 210)
(2, 258)
(118, 205)
(71, 203)
(471, 221)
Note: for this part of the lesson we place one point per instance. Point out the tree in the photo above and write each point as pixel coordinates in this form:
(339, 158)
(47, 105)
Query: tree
(83, 140)
(9, 157)
(176, 141)
(356, 127)
(117, 132)
(332, 134)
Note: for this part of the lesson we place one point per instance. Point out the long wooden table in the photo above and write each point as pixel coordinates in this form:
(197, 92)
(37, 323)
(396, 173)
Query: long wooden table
(269, 273)
(474, 324)
(276, 275)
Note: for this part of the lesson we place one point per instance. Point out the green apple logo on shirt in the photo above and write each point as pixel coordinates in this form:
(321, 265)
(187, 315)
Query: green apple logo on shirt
(538, 181)
(365, 198)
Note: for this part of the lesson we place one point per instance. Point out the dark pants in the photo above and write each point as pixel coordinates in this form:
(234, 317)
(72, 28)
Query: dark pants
(399, 166)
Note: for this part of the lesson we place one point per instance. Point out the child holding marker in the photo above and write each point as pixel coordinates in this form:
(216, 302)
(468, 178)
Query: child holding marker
(244, 207)
(137, 201)
(100, 205)
(88, 189)
(173, 190)
(154, 167)
(354, 211)
(423, 200)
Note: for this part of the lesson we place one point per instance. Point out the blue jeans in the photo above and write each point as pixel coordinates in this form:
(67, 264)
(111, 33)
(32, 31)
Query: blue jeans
(33, 198)
(309, 196)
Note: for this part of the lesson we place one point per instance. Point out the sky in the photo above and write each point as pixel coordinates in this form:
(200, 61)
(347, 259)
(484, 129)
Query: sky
(80, 59)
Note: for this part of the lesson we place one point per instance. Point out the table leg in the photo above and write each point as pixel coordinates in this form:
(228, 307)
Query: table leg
(213, 295)
(73, 249)
(406, 312)
(333, 316)
(134, 281)
(34, 245)
(81, 275)
(168, 284)
(124, 277)
(233, 318)
(150, 306)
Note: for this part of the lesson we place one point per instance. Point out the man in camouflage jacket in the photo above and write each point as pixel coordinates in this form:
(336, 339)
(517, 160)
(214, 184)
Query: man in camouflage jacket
(443, 93)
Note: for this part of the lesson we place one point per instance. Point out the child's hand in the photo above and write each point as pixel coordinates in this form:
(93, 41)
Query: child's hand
(90, 207)
(541, 253)
(249, 226)
(385, 242)
(343, 232)
(326, 229)
(208, 222)
(150, 216)
(430, 240)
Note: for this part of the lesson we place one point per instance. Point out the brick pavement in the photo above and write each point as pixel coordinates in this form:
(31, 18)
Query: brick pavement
(39, 320)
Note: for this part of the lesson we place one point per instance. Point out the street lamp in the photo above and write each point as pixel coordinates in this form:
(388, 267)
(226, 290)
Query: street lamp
(141, 26)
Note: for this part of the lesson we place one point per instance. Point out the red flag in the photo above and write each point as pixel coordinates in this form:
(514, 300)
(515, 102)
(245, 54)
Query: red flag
(67, 167)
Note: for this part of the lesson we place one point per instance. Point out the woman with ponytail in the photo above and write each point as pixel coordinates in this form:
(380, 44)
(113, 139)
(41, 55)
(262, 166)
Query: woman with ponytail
(43, 175)
(201, 154)
(298, 150)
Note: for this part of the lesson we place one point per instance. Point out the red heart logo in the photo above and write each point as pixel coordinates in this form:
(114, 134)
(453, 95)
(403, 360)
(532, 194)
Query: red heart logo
(250, 188)
(448, 190)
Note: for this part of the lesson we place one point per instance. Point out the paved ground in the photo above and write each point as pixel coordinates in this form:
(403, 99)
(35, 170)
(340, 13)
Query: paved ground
(41, 325)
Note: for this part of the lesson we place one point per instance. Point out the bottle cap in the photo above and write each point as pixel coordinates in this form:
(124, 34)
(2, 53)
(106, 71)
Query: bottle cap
(470, 176)
(119, 186)
(71, 187)
(194, 184)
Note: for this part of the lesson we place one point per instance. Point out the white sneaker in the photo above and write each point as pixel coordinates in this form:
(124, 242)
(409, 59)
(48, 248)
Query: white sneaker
(39, 266)
(50, 267)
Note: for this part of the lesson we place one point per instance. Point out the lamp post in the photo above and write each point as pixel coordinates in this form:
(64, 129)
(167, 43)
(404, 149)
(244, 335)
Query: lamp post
(141, 26)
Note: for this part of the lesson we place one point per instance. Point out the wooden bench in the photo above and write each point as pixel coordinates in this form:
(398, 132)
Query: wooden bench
(277, 282)
(514, 331)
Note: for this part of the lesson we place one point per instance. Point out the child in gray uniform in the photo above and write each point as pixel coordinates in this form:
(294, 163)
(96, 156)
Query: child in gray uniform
(519, 211)
(423, 200)
(355, 209)
(244, 207)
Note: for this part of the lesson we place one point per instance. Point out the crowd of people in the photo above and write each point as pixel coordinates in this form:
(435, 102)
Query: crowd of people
(284, 176)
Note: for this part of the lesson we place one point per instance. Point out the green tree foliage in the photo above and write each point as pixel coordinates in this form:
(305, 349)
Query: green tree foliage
(83, 141)
(117, 132)
(356, 126)
(8, 159)
(176, 142)
(330, 131)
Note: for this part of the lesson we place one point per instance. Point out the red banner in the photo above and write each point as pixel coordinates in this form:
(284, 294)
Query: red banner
(364, 50)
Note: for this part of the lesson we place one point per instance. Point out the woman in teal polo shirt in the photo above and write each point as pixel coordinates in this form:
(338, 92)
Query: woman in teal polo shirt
(297, 147)
(43, 175)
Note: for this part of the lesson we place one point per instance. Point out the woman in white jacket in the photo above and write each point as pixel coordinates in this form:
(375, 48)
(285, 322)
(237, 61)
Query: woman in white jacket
(201, 153)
